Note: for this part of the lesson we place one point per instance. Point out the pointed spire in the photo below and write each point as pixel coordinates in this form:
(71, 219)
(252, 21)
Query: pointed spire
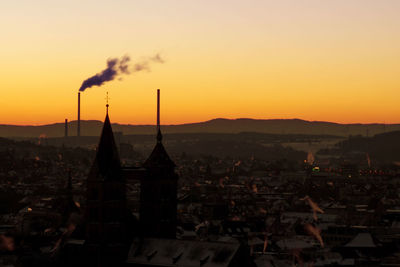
(107, 164)
(159, 135)
(159, 157)
(107, 105)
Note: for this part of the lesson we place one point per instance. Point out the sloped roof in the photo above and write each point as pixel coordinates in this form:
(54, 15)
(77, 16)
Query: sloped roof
(185, 253)
(292, 243)
(159, 157)
(362, 240)
(106, 165)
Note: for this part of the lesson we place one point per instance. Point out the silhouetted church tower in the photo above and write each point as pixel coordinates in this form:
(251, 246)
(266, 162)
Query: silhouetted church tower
(158, 191)
(106, 238)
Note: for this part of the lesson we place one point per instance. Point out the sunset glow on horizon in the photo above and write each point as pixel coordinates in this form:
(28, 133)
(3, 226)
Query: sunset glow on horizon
(336, 61)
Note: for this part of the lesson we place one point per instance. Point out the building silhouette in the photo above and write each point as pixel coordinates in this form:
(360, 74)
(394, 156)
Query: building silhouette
(106, 239)
(108, 232)
(114, 239)
(158, 191)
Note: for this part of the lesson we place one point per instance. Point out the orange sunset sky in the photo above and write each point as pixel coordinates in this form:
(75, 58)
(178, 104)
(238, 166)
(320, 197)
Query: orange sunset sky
(332, 60)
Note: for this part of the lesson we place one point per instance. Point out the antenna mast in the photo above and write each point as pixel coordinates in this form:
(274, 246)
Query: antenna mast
(159, 136)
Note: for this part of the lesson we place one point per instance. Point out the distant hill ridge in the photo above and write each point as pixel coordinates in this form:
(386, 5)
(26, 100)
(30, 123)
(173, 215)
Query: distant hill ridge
(220, 125)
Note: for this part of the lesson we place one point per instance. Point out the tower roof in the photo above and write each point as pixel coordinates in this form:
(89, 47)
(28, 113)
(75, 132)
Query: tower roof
(159, 157)
(106, 165)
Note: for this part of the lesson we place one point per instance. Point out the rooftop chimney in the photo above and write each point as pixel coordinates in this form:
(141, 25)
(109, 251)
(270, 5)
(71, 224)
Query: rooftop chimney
(79, 115)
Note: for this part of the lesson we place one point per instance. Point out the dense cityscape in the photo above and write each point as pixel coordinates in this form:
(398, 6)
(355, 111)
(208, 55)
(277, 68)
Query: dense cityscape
(335, 207)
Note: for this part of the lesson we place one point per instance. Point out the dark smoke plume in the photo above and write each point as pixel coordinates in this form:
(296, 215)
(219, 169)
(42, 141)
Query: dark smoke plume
(117, 67)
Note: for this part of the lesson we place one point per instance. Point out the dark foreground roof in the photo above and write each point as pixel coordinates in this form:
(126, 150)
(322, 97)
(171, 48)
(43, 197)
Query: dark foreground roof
(185, 253)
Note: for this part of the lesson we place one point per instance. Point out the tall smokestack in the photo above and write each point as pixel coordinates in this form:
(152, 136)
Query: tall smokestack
(79, 115)
(66, 128)
(158, 109)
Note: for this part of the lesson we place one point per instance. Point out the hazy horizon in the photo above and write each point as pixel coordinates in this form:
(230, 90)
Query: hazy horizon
(198, 122)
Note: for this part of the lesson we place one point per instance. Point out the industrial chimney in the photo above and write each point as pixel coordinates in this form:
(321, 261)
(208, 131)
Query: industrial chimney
(158, 110)
(79, 115)
(66, 128)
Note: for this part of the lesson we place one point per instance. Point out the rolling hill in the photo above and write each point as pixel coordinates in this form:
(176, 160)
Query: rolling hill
(275, 126)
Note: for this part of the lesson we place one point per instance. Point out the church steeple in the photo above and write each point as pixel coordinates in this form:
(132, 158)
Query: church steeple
(159, 135)
(107, 164)
(159, 157)
(158, 191)
(106, 223)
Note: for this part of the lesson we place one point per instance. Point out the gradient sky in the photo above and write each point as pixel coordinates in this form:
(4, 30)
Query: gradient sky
(331, 60)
